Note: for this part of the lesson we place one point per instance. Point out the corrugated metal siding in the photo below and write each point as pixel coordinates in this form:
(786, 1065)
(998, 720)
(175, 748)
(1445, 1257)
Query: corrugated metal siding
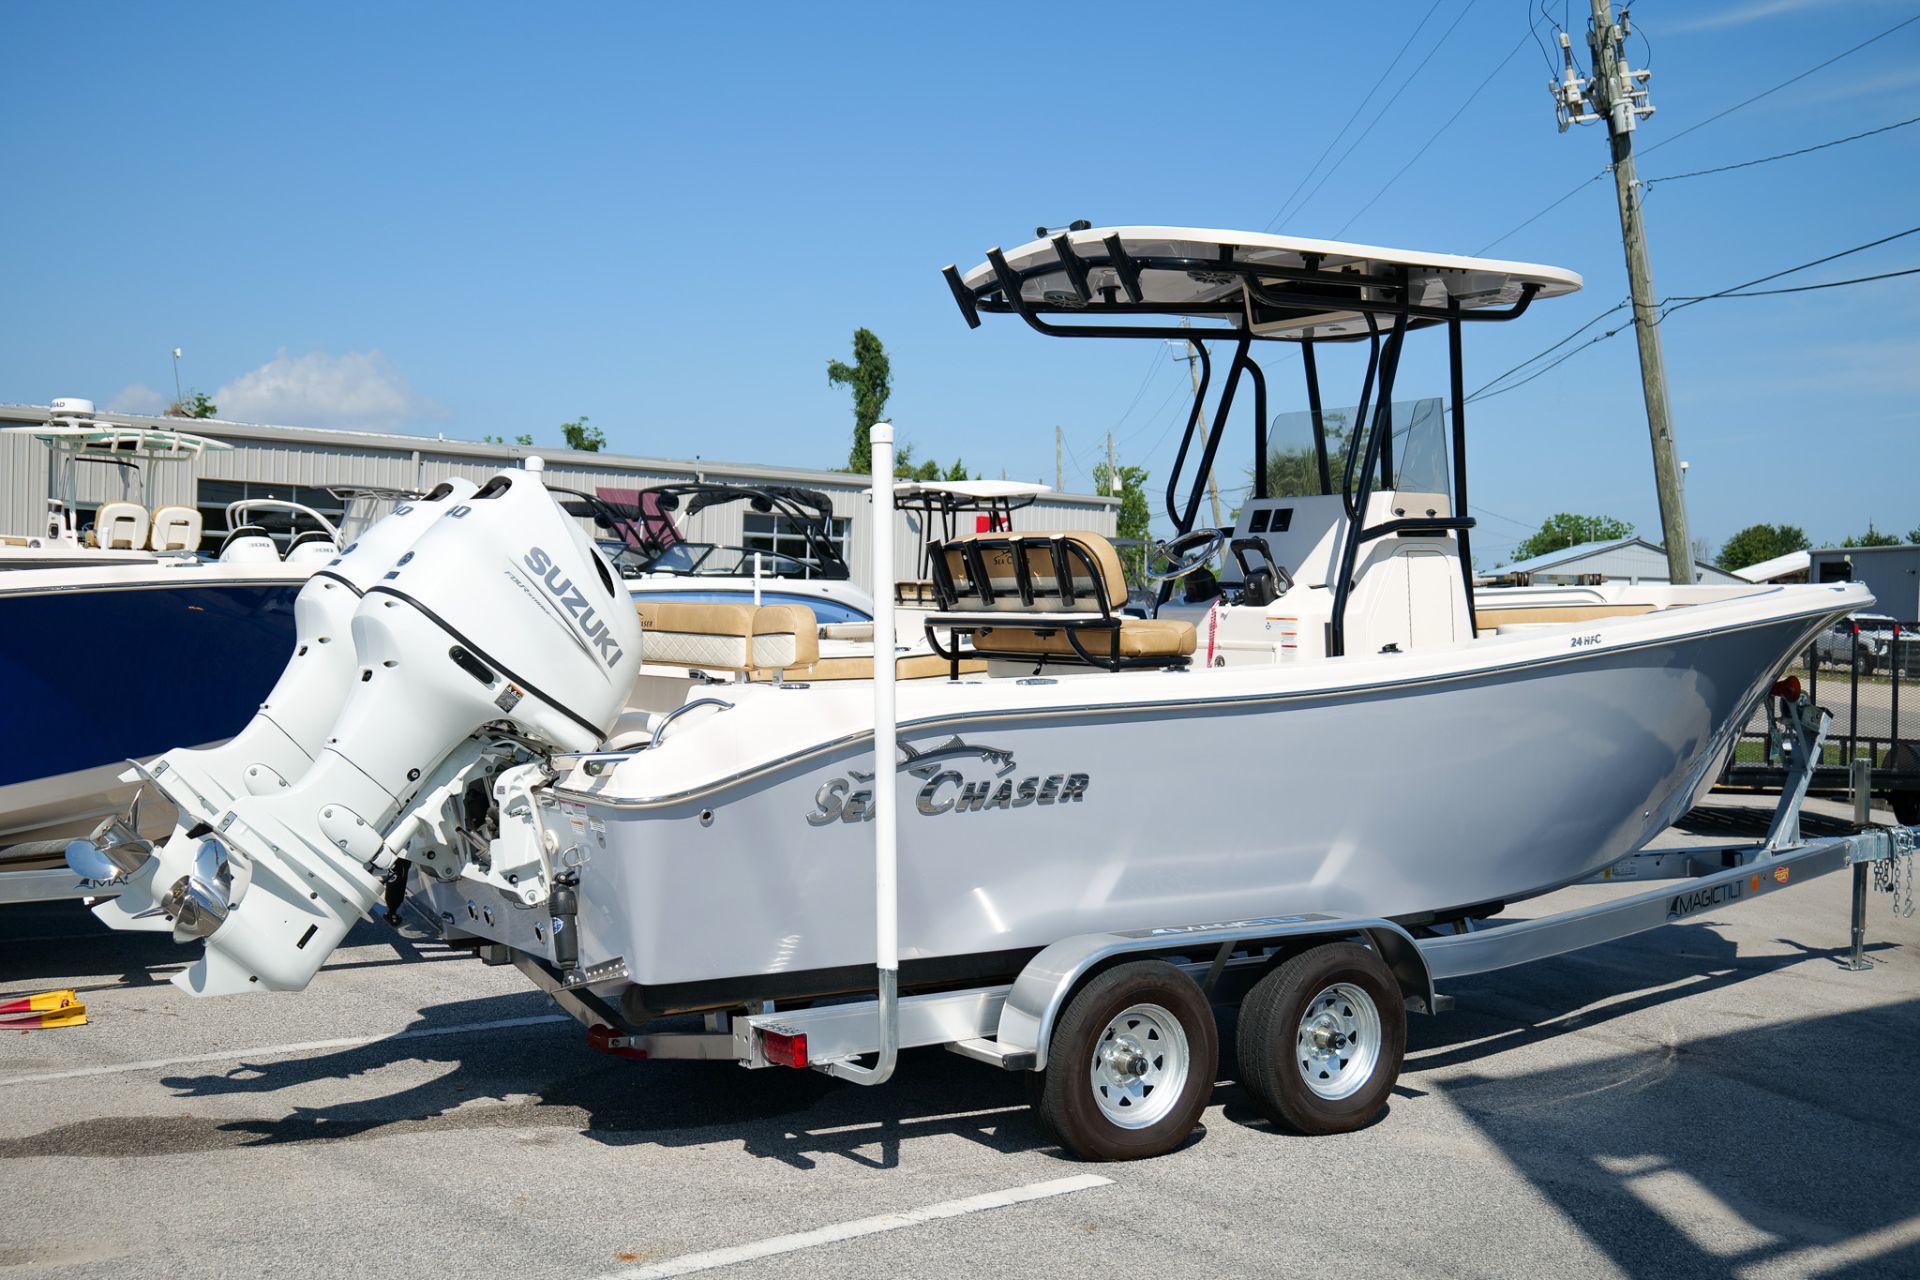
(301, 456)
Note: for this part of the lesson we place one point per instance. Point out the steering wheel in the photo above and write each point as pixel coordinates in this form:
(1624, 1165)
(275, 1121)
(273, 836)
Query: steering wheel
(1184, 554)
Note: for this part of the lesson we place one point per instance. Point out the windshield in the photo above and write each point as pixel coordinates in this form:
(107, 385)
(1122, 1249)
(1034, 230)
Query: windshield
(1418, 449)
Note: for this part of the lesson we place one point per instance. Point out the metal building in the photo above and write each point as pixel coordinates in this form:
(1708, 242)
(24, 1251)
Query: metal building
(1891, 573)
(1621, 560)
(298, 463)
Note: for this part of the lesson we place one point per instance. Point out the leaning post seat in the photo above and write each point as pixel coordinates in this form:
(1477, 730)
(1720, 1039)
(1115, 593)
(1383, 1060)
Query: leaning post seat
(120, 526)
(741, 638)
(1041, 596)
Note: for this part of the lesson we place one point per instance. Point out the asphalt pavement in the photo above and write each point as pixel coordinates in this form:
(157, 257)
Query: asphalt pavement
(1718, 1098)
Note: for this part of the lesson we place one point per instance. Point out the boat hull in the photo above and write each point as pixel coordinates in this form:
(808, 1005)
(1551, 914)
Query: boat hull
(100, 673)
(1405, 799)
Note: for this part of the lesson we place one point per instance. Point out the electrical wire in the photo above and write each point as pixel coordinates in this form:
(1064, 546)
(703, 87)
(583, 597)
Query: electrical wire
(1541, 355)
(1382, 113)
(1784, 155)
(1667, 310)
(1798, 288)
(1360, 106)
(1458, 112)
(1747, 102)
(1701, 125)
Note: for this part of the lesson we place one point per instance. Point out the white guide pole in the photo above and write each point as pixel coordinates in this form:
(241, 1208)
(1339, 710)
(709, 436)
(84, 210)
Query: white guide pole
(756, 579)
(886, 893)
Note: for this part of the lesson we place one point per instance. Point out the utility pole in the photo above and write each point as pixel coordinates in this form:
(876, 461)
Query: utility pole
(1113, 473)
(1059, 484)
(1617, 94)
(1193, 370)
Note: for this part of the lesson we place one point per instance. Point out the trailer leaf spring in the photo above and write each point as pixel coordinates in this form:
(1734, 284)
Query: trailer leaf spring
(1894, 873)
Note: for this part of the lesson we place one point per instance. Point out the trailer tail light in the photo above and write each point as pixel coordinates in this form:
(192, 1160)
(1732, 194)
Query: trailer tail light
(1788, 688)
(784, 1049)
(604, 1039)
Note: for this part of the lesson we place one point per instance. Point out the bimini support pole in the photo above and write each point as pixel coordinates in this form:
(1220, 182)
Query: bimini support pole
(886, 894)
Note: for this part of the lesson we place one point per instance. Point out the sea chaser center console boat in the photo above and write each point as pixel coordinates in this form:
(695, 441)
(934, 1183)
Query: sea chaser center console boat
(1286, 778)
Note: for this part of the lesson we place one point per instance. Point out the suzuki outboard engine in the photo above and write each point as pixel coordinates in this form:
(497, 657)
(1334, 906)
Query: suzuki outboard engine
(504, 621)
(280, 742)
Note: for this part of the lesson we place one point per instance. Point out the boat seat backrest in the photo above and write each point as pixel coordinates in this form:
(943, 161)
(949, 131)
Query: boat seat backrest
(175, 529)
(118, 525)
(1069, 571)
(728, 637)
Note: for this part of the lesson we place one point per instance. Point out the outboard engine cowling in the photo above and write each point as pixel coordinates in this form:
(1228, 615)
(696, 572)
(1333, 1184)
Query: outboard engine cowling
(504, 614)
(279, 743)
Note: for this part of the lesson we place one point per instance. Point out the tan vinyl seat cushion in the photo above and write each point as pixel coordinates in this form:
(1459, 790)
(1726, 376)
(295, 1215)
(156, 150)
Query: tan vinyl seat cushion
(998, 558)
(913, 666)
(1139, 638)
(728, 637)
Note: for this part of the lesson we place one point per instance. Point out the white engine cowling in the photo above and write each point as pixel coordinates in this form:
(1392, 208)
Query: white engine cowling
(280, 742)
(504, 613)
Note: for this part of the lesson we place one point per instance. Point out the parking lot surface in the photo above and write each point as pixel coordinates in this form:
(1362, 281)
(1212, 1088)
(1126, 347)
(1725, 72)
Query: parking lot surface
(1715, 1098)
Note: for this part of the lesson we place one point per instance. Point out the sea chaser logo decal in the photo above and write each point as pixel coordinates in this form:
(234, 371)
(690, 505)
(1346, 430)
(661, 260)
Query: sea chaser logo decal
(949, 790)
(574, 601)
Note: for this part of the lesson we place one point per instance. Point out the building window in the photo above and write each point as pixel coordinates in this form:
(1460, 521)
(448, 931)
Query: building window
(212, 497)
(785, 539)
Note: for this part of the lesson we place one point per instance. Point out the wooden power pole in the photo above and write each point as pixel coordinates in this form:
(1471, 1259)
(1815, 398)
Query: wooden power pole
(1616, 93)
(1058, 484)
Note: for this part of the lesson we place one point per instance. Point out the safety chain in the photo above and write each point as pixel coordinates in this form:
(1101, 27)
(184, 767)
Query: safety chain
(1894, 873)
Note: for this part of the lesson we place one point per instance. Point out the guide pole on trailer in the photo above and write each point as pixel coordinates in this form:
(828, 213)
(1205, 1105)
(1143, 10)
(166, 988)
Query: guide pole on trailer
(886, 894)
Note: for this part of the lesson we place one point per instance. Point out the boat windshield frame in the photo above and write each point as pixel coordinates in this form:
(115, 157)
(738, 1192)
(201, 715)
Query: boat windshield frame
(1260, 301)
(638, 548)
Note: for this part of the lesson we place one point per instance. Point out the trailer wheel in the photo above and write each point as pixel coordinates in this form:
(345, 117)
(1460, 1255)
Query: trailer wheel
(1906, 807)
(1131, 1064)
(1322, 1038)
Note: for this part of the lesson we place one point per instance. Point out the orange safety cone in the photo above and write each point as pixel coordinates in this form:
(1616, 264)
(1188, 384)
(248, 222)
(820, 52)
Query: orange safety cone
(39, 1002)
(72, 1015)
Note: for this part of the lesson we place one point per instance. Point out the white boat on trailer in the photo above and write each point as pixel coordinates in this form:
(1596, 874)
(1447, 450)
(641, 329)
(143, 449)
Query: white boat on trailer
(1051, 847)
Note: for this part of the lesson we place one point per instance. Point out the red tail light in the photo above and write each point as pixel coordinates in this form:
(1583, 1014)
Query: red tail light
(783, 1049)
(1788, 688)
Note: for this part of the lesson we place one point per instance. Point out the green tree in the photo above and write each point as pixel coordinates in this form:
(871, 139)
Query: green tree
(958, 471)
(871, 378)
(197, 405)
(1872, 538)
(1134, 519)
(1295, 472)
(579, 435)
(1566, 529)
(1758, 542)
(523, 438)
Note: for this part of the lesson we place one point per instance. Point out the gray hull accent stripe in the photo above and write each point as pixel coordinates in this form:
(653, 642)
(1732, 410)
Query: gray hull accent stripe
(440, 622)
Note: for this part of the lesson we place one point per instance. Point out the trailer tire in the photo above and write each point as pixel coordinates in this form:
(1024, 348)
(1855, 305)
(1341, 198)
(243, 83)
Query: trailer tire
(1906, 807)
(1296, 1026)
(1130, 1065)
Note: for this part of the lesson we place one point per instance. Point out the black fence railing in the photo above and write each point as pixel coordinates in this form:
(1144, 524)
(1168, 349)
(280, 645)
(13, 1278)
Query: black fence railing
(1867, 673)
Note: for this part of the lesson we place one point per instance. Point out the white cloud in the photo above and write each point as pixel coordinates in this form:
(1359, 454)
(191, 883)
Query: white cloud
(137, 397)
(1740, 15)
(360, 389)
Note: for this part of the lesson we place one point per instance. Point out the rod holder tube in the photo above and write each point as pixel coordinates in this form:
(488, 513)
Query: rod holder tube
(886, 892)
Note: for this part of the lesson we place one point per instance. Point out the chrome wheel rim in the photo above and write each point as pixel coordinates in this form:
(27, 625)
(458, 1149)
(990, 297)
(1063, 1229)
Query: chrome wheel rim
(1139, 1066)
(1338, 1043)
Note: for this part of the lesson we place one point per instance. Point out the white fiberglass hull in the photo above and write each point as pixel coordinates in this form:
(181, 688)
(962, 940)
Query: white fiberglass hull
(1402, 786)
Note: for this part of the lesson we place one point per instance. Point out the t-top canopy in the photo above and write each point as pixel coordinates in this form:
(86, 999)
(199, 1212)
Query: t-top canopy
(975, 490)
(106, 440)
(1262, 285)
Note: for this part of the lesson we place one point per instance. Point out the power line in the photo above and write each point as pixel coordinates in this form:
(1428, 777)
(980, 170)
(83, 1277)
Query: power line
(1458, 112)
(1784, 155)
(1541, 355)
(1358, 108)
(1747, 102)
(1680, 302)
(1382, 114)
(1702, 124)
(1800, 288)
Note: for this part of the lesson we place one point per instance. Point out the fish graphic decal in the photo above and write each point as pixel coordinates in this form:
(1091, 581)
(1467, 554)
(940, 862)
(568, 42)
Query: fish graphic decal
(925, 763)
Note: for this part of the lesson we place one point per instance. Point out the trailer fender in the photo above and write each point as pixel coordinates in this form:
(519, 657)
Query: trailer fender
(1043, 987)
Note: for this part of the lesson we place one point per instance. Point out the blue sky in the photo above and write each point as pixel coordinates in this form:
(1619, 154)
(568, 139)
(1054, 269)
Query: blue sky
(471, 219)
